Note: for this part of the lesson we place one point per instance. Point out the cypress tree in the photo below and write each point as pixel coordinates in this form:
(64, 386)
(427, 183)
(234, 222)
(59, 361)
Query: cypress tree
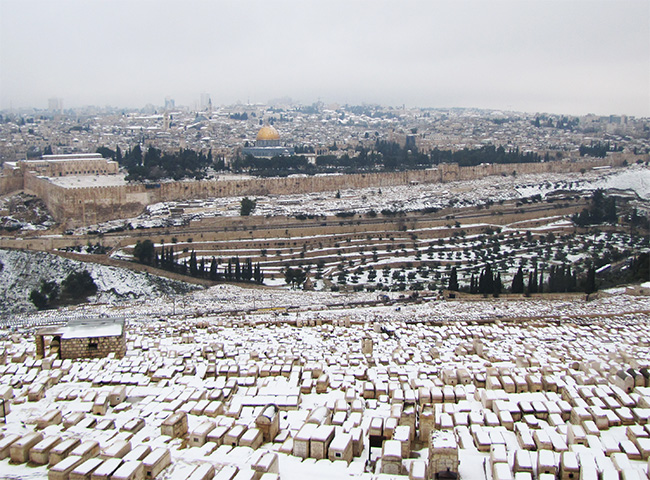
(489, 279)
(590, 284)
(498, 286)
(518, 281)
(229, 270)
(453, 280)
(172, 260)
(248, 270)
(213, 269)
(193, 267)
(532, 284)
(259, 276)
(237, 270)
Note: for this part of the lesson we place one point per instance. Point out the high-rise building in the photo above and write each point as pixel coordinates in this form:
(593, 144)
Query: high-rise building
(170, 104)
(205, 103)
(55, 105)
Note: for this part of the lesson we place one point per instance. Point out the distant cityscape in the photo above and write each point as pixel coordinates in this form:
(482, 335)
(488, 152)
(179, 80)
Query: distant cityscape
(311, 129)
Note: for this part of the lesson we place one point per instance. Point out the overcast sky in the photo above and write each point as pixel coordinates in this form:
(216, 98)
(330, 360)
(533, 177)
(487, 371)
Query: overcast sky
(566, 56)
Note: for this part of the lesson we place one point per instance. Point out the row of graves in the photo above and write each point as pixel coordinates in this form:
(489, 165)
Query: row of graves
(219, 400)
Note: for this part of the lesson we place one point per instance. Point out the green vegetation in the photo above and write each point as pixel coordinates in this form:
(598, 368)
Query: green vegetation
(639, 270)
(384, 156)
(75, 288)
(46, 295)
(518, 281)
(247, 206)
(453, 279)
(166, 259)
(144, 252)
(598, 149)
(295, 276)
(155, 164)
(78, 286)
(601, 210)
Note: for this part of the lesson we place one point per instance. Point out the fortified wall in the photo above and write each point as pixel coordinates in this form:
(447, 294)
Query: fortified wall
(83, 206)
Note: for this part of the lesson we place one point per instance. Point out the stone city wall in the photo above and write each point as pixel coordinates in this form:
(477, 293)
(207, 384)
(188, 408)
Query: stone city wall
(11, 181)
(90, 205)
(93, 347)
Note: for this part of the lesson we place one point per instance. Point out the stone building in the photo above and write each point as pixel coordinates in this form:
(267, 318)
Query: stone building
(443, 454)
(267, 145)
(84, 338)
(65, 165)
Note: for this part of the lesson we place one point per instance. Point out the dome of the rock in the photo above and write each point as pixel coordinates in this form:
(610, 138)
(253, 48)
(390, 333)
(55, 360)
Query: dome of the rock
(267, 132)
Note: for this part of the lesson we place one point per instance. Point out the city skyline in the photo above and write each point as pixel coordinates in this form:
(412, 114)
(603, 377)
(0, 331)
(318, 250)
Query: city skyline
(557, 57)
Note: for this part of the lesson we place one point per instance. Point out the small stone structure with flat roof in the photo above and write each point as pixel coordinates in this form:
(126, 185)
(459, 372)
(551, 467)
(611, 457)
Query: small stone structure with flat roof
(84, 338)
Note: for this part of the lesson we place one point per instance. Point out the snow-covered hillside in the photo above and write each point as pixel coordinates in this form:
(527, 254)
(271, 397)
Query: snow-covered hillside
(23, 271)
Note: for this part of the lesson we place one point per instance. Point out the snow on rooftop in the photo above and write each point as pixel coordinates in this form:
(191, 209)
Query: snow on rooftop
(83, 181)
(94, 327)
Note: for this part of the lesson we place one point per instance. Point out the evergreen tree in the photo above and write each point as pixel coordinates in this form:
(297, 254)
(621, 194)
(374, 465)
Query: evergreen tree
(247, 206)
(46, 295)
(498, 285)
(552, 279)
(453, 280)
(532, 283)
(237, 270)
(193, 266)
(144, 252)
(247, 271)
(486, 281)
(258, 275)
(590, 283)
(639, 268)
(213, 269)
(295, 276)
(171, 259)
(78, 286)
(229, 271)
(518, 281)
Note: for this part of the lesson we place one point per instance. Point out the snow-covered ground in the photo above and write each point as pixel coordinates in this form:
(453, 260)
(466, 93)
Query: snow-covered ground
(23, 271)
(405, 197)
(265, 357)
(272, 345)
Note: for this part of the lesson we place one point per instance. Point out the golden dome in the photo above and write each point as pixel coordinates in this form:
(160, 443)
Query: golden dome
(267, 132)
